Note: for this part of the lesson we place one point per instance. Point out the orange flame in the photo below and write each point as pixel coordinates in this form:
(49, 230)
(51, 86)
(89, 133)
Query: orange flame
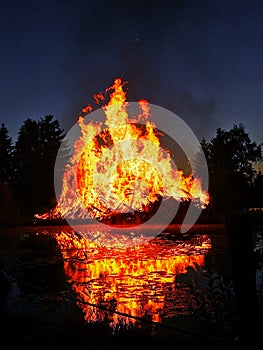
(117, 166)
(118, 169)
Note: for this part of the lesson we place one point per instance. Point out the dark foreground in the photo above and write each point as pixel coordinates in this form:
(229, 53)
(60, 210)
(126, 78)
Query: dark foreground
(58, 321)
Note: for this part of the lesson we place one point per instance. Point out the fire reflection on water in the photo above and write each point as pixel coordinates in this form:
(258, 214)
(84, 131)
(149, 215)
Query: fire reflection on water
(139, 280)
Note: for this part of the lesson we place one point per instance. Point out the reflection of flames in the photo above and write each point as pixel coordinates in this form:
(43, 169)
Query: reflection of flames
(118, 169)
(137, 281)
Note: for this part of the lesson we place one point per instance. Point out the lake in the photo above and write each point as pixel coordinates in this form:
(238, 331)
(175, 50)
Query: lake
(175, 286)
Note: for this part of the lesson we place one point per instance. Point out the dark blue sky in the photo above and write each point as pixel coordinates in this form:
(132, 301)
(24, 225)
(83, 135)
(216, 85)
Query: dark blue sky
(203, 60)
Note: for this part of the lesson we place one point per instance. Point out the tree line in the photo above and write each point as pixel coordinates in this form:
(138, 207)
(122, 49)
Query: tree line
(27, 167)
(234, 181)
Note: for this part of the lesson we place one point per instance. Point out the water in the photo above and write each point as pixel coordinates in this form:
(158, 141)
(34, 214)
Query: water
(183, 284)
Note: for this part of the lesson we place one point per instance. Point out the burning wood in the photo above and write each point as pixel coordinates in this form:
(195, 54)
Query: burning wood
(118, 170)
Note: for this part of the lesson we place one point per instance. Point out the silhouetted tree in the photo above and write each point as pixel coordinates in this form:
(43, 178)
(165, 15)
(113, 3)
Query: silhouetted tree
(35, 155)
(6, 150)
(230, 157)
(8, 208)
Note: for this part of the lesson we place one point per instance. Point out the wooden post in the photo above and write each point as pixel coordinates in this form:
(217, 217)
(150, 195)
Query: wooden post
(239, 228)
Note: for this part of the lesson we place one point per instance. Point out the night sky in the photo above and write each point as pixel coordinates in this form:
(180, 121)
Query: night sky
(203, 60)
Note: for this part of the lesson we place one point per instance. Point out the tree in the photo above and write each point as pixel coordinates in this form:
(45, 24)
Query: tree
(6, 151)
(50, 139)
(26, 152)
(8, 208)
(230, 157)
(35, 155)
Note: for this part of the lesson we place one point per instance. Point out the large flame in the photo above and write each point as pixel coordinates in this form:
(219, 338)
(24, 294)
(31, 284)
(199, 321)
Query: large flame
(117, 166)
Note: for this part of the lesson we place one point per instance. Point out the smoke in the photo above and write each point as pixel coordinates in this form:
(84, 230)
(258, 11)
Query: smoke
(144, 43)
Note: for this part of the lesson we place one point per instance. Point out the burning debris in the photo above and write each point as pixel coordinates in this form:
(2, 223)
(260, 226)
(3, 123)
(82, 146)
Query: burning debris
(118, 172)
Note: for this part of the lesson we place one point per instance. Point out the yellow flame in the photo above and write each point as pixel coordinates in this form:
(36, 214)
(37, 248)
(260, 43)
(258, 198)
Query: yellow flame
(122, 168)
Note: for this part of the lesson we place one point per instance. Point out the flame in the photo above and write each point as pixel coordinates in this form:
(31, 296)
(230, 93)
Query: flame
(117, 165)
(138, 281)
